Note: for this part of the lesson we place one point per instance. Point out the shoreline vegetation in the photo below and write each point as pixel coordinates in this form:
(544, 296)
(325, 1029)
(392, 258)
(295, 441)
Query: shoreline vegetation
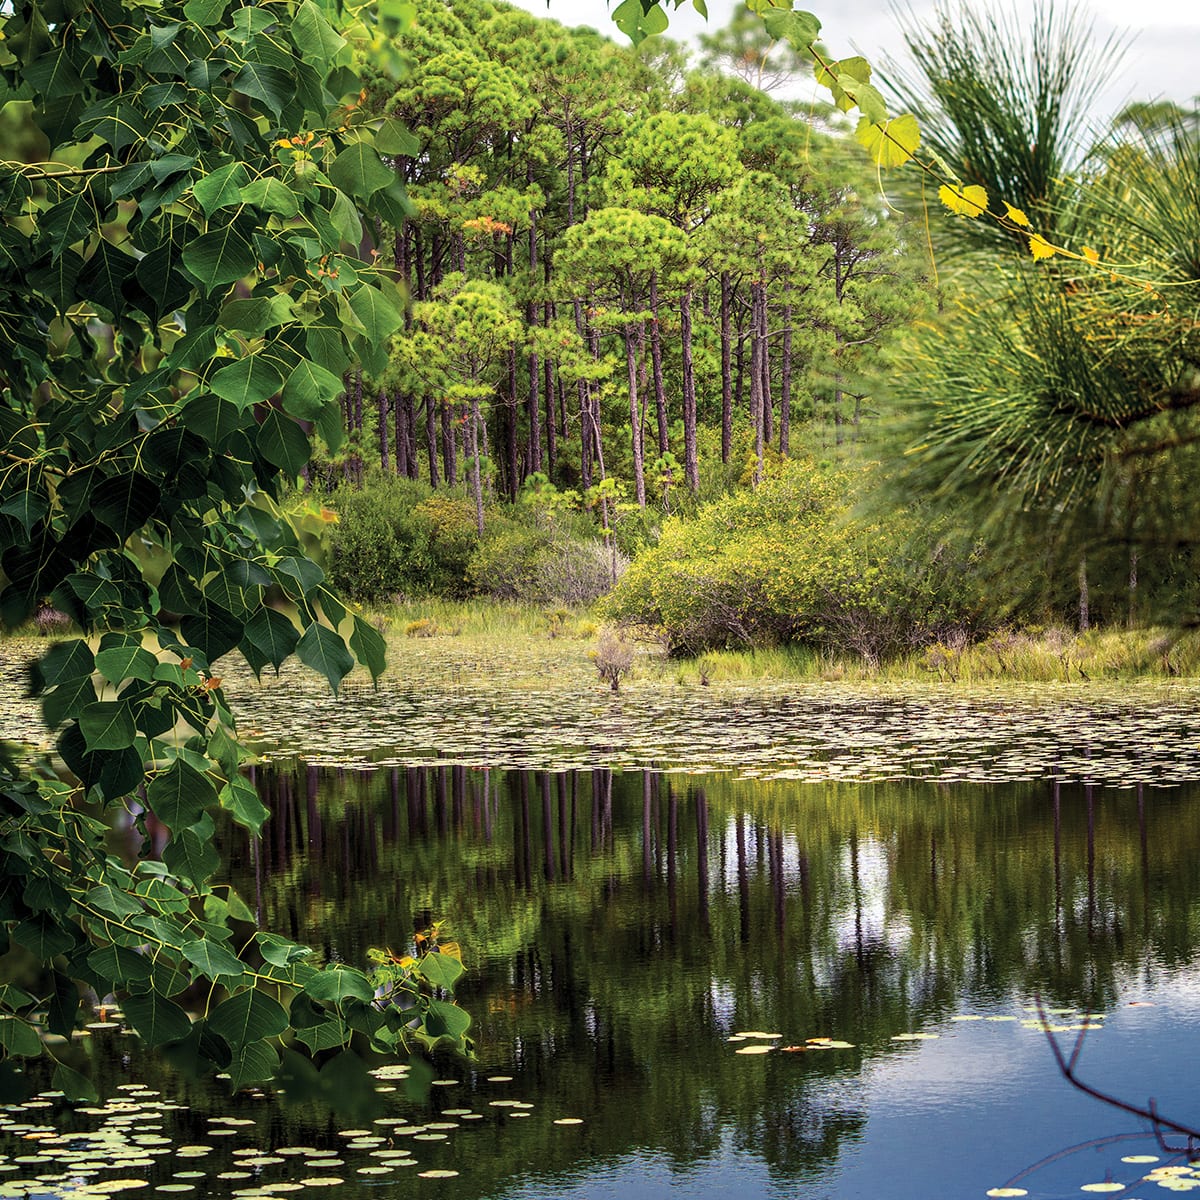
(1036, 654)
(312, 313)
(505, 643)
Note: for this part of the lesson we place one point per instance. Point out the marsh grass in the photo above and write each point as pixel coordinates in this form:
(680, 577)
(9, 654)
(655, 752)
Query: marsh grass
(1056, 655)
(482, 644)
(1021, 656)
(494, 620)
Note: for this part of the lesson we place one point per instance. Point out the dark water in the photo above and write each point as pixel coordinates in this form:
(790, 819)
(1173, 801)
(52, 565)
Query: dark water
(621, 928)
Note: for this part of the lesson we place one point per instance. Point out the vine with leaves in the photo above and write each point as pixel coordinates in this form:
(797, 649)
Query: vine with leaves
(181, 291)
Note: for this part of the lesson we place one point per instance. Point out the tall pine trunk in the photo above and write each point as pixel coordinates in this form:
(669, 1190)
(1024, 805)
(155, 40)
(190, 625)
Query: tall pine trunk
(418, 258)
(660, 397)
(764, 358)
(512, 449)
(476, 475)
(632, 345)
(758, 348)
(382, 401)
(551, 424)
(400, 254)
(400, 407)
(739, 369)
(691, 466)
(413, 470)
(785, 385)
(586, 436)
(726, 376)
(531, 316)
(449, 449)
(523, 466)
(431, 438)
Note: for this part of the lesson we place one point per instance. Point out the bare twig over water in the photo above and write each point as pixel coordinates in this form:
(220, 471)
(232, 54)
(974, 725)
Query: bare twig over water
(1158, 1122)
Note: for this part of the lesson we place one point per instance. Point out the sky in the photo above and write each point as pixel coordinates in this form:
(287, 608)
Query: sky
(1160, 62)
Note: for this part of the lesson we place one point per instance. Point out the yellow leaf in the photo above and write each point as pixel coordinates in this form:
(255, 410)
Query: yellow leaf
(1040, 248)
(969, 201)
(890, 143)
(1015, 215)
(1090, 254)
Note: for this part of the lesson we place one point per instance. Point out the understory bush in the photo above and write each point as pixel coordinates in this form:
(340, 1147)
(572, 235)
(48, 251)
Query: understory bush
(394, 536)
(789, 563)
(541, 558)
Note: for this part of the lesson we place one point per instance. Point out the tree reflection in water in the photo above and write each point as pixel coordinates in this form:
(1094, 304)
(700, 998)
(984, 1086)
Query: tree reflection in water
(620, 927)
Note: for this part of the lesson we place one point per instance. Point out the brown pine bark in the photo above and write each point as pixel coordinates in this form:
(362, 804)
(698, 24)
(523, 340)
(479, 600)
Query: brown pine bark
(531, 316)
(385, 461)
(660, 398)
(585, 406)
(785, 385)
(473, 450)
(449, 449)
(413, 470)
(418, 260)
(764, 356)
(512, 449)
(757, 351)
(632, 346)
(691, 466)
(432, 442)
(400, 419)
(726, 376)
(551, 424)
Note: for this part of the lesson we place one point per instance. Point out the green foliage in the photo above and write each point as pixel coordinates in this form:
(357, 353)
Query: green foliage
(1052, 409)
(177, 302)
(394, 536)
(1005, 103)
(1056, 410)
(548, 559)
(789, 563)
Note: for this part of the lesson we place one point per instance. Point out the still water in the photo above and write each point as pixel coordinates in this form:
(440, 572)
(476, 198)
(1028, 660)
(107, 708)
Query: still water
(630, 936)
(622, 928)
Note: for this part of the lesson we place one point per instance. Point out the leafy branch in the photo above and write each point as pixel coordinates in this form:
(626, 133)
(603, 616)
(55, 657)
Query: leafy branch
(180, 296)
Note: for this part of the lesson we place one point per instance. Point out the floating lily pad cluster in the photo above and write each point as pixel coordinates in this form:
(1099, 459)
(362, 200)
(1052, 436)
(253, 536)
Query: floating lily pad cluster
(139, 1141)
(463, 704)
(1176, 1177)
(805, 733)
(1054, 1020)
(764, 1043)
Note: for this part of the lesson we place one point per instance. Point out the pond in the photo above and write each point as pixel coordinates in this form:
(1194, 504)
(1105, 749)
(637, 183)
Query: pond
(813, 974)
(631, 934)
(633, 940)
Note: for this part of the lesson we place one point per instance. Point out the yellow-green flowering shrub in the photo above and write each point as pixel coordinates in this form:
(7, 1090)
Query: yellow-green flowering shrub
(790, 562)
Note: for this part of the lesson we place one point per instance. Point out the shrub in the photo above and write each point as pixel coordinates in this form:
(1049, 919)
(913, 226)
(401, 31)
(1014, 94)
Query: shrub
(613, 657)
(393, 536)
(545, 560)
(789, 563)
(452, 538)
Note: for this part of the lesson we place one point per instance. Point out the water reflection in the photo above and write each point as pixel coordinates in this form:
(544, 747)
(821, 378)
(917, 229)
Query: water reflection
(915, 890)
(620, 927)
